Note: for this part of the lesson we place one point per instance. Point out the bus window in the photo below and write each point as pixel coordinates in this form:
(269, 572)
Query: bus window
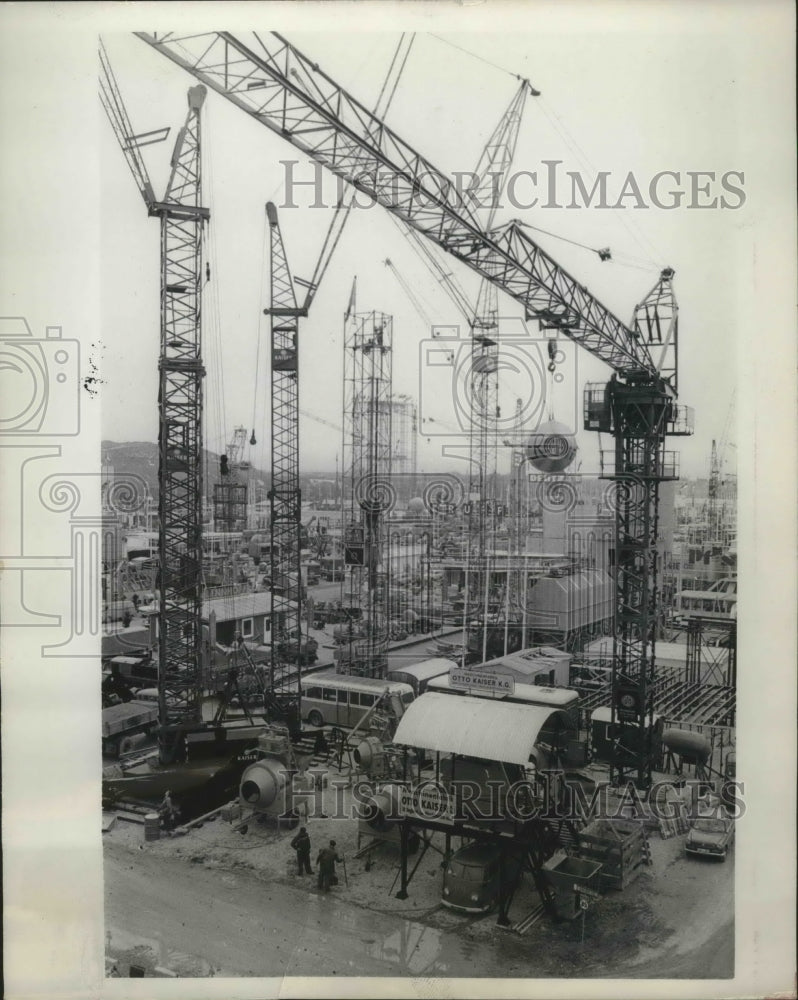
(407, 697)
(329, 694)
(313, 693)
(342, 697)
(366, 700)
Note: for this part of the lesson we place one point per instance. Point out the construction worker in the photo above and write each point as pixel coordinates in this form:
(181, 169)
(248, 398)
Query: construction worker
(326, 865)
(301, 844)
(167, 811)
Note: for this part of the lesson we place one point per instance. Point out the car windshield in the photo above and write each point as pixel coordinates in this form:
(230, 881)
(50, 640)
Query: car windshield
(710, 825)
(469, 873)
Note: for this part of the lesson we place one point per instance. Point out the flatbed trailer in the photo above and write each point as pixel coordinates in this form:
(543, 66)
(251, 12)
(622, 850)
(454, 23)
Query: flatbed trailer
(122, 721)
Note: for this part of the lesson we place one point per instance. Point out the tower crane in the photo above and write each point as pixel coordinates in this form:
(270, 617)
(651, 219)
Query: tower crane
(230, 493)
(281, 88)
(491, 176)
(286, 530)
(285, 498)
(181, 218)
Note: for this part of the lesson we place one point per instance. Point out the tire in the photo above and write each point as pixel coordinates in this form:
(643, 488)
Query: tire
(315, 719)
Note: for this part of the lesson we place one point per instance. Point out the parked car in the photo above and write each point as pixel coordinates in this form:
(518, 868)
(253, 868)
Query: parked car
(471, 880)
(710, 836)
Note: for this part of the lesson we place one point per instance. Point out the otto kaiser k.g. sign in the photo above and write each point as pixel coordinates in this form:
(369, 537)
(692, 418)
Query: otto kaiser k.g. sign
(482, 680)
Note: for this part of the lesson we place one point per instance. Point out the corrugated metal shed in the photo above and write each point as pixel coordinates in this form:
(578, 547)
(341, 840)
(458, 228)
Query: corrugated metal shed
(476, 727)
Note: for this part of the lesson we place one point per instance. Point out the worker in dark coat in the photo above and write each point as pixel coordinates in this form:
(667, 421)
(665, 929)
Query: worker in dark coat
(326, 865)
(301, 844)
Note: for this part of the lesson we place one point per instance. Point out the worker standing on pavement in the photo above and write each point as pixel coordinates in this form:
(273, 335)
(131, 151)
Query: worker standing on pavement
(326, 865)
(301, 844)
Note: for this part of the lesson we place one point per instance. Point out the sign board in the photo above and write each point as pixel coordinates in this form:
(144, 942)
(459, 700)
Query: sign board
(427, 801)
(583, 890)
(482, 680)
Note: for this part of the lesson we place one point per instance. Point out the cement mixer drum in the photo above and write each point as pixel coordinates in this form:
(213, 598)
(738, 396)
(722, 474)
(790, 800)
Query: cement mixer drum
(263, 786)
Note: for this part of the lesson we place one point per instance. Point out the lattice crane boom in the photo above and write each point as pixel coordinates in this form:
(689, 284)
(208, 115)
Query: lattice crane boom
(285, 498)
(115, 110)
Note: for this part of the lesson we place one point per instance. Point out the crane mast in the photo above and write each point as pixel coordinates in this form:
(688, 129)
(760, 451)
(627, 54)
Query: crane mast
(490, 178)
(180, 372)
(285, 500)
(180, 428)
(271, 80)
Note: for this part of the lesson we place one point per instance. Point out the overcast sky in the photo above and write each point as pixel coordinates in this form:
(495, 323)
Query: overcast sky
(636, 99)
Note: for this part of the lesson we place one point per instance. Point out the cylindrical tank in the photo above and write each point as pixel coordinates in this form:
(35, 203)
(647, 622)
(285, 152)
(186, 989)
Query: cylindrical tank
(263, 786)
(694, 746)
(552, 447)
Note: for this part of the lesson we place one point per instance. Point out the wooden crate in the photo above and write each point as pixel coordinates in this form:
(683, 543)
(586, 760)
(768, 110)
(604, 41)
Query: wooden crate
(619, 846)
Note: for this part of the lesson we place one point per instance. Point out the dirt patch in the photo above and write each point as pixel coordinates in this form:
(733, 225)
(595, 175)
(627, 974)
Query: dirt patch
(668, 918)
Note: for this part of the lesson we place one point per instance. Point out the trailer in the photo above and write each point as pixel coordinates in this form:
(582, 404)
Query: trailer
(121, 722)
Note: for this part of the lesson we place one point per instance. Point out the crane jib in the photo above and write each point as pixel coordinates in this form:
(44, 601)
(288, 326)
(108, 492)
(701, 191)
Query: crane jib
(325, 122)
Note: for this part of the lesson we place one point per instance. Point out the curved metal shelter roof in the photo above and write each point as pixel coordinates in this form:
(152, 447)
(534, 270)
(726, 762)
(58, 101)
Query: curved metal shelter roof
(478, 727)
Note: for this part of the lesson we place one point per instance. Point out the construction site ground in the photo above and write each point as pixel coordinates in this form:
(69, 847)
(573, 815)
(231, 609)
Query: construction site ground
(217, 901)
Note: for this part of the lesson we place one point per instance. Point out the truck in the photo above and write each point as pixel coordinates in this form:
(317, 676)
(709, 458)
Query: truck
(121, 722)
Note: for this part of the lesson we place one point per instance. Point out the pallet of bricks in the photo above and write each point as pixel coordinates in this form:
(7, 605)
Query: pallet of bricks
(619, 845)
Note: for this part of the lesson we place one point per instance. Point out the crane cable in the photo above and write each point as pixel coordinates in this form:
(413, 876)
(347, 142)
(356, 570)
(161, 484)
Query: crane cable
(647, 262)
(487, 62)
(259, 332)
(211, 291)
(398, 75)
(579, 153)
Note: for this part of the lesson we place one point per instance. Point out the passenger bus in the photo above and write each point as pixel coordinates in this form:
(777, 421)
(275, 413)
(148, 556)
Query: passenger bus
(419, 675)
(330, 699)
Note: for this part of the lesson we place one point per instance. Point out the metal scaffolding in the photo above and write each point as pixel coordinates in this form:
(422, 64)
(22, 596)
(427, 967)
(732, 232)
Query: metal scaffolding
(366, 450)
(230, 494)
